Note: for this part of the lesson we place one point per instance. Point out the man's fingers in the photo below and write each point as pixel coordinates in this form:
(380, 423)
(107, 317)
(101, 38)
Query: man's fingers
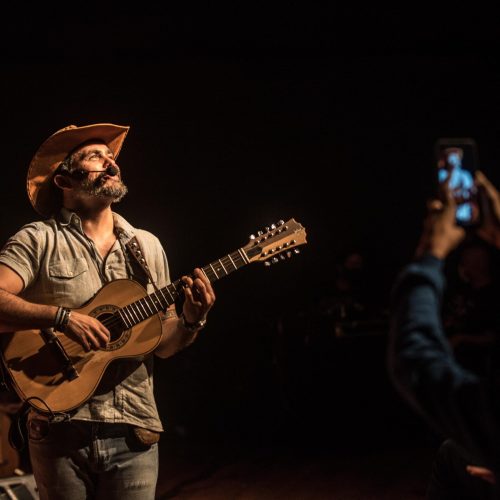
(93, 340)
(104, 333)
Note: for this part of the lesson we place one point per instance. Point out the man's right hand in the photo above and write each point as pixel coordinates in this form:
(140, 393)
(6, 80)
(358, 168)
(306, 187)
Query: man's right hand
(89, 331)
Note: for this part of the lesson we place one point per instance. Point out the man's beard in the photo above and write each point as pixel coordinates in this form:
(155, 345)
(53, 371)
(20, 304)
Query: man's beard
(96, 188)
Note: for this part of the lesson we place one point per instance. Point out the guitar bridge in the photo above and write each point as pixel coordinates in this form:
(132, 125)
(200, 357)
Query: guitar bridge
(67, 367)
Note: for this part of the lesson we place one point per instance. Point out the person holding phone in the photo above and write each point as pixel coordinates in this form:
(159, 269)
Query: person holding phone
(458, 403)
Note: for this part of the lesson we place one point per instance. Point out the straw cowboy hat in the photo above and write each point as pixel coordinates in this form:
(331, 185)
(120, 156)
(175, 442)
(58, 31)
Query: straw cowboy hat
(55, 149)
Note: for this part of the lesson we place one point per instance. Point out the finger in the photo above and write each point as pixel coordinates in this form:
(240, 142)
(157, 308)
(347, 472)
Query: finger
(103, 336)
(206, 292)
(491, 191)
(434, 206)
(481, 472)
(93, 340)
(187, 281)
(199, 274)
(188, 292)
(85, 343)
(202, 293)
(207, 283)
(101, 331)
(482, 180)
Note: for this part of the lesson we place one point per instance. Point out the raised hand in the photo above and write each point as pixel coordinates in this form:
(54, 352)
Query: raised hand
(441, 234)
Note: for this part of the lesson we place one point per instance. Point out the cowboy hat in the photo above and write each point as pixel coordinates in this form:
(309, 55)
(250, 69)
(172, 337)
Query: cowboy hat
(55, 149)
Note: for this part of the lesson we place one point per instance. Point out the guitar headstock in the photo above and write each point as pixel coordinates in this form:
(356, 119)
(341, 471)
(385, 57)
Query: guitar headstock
(276, 242)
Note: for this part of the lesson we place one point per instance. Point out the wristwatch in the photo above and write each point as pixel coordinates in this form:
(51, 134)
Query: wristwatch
(193, 327)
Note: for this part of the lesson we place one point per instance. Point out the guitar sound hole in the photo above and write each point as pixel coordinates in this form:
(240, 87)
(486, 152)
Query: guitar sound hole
(112, 324)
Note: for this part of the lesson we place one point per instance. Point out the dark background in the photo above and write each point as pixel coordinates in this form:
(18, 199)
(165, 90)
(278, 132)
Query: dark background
(243, 117)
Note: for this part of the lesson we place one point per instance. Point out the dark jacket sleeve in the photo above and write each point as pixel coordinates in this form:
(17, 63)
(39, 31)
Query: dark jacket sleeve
(456, 402)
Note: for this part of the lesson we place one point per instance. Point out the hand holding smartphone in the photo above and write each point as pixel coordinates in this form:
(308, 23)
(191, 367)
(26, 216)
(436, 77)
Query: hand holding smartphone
(457, 162)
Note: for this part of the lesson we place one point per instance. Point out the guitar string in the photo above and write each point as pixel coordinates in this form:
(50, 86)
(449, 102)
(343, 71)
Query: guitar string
(116, 320)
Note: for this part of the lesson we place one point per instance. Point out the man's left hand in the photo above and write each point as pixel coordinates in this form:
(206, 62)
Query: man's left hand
(199, 296)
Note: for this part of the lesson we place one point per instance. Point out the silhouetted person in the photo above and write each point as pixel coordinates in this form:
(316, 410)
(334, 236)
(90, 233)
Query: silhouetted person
(463, 406)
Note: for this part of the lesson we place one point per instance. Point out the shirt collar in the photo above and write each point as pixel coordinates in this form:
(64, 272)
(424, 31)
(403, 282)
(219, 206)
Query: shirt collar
(123, 229)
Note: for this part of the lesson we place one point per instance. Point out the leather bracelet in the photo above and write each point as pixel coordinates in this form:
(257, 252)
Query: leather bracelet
(62, 319)
(57, 319)
(192, 327)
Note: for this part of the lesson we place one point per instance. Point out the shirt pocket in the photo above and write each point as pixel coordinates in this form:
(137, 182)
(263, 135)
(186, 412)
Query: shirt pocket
(69, 279)
(68, 268)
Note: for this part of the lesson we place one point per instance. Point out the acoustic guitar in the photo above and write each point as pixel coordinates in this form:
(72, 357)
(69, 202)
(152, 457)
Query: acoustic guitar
(54, 373)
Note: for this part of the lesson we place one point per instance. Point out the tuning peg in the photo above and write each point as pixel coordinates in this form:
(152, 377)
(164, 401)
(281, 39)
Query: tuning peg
(296, 251)
(273, 226)
(267, 229)
(289, 253)
(267, 263)
(274, 260)
(259, 233)
(282, 257)
(252, 236)
(281, 222)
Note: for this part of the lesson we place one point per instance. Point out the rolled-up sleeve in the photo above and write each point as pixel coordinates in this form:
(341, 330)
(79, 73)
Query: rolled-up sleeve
(22, 253)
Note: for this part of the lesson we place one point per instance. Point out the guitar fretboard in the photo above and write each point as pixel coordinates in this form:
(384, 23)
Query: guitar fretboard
(160, 299)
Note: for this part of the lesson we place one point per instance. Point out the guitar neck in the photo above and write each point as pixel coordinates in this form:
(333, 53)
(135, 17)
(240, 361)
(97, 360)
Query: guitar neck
(159, 300)
(275, 241)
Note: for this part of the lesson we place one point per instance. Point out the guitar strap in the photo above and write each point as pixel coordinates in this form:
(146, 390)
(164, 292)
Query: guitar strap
(135, 250)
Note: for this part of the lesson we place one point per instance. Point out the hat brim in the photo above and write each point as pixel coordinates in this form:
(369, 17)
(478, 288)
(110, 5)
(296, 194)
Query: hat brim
(55, 149)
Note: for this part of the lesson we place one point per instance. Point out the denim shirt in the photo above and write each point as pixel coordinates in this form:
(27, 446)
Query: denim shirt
(456, 402)
(59, 265)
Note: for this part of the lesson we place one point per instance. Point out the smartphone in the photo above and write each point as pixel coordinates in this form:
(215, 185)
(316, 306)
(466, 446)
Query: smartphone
(457, 160)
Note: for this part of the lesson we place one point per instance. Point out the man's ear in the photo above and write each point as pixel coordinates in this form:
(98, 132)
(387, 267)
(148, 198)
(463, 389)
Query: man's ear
(62, 182)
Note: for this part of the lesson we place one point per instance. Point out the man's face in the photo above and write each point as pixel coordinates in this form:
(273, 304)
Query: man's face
(96, 158)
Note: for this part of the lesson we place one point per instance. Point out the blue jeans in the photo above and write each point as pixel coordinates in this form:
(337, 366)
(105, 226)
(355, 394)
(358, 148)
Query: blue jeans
(89, 460)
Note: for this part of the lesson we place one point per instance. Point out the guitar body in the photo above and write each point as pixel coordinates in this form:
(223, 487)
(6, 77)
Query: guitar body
(37, 371)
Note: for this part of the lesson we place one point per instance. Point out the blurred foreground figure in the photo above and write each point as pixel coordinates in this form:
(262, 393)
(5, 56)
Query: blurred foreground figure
(463, 406)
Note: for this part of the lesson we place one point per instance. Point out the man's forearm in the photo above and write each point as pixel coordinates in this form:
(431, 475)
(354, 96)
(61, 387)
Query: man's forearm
(175, 337)
(19, 314)
(420, 357)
